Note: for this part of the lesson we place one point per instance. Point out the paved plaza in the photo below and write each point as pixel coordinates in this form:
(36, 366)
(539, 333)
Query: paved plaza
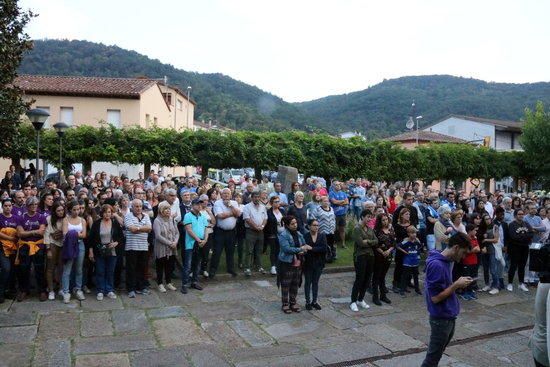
(239, 323)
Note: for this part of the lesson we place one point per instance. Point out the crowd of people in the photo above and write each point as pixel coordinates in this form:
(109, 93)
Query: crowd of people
(108, 233)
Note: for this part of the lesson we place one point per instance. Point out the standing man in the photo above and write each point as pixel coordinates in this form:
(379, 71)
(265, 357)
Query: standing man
(195, 238)
(278, 191)
(441, 299)
(138, 226)
(255, 219)
(339, 201)
(407, 202)
(226, 212)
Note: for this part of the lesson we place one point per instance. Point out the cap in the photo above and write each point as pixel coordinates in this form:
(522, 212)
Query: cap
(203, 197)
(195, 202)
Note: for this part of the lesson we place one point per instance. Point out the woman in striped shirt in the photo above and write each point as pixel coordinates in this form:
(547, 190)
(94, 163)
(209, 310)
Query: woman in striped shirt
(327, 225)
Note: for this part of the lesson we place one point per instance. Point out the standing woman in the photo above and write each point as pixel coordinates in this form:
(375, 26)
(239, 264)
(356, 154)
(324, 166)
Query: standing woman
(166, 242)
(382, 258)
(31, 250)
(8, 244)
(273, 228)
(456, 222)
(327, 225)
(105, 236)
(312, 206)
(45, 205)
(363, 254)
(314, 263)
(294, 188)
(443, 228)
(74, 232)
(520, 234)
(53, 239)
(403, 222)
(289, 276)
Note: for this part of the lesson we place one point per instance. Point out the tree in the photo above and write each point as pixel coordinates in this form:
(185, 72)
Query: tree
(14, 42)
(535, 140)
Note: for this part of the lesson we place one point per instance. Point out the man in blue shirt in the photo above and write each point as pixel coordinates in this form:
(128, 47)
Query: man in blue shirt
(196, 237)
(339, 201)
(278, 187)
(441, 299)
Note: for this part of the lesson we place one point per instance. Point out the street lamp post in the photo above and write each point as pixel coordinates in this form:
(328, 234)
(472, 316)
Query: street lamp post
(188, 103)
(60, 128)
(417, 118)
(38, 118)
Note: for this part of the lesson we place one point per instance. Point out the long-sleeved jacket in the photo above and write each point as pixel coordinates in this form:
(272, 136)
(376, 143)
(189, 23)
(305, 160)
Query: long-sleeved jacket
(287, 247)
(520, 233)
(365, 241)
(94, 239)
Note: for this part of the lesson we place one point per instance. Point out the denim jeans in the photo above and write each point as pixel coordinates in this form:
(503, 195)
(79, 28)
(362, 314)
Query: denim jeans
(104, 273)
(68, 267)
(190, 265)
(5, 267)
(311, 285)
(442, 332)
(430, 242)
(496, 270)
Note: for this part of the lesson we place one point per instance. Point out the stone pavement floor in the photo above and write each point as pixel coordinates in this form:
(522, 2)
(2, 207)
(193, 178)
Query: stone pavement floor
(239, 323)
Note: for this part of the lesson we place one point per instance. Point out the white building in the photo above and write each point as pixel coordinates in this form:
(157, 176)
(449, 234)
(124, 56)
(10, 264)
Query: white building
(503, 135)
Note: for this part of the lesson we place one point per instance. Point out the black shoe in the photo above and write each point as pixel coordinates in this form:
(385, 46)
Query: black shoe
(396, 290)
(418, 291)
(385, 300)
(407, 290)
(233, 274)
(316, 306)
(184, 290)
(308, 307)
(376, 301)
(196, 286)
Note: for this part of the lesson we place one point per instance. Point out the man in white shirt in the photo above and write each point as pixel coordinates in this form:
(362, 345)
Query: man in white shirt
(255, 219)
(226, 211)
(170, 195)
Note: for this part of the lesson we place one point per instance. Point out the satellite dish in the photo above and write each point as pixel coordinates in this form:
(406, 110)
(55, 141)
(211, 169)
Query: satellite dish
(410, 123)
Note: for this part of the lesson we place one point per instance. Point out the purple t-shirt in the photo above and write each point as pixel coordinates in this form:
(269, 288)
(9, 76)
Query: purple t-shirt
(45, 213)
(17, 211)
(438, 278)
(31, 224)
(10, 222)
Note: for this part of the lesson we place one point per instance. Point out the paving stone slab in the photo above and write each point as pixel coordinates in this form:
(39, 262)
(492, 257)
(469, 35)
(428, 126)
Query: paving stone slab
(390, 337)
(179, 331)
(285, 329)
(251, 333)
(340, 300)
(18, 318)
(15, 355)
(336, 318)
(17, 334)
(502, 298)
(206, 357)
(507, 323)
(113, 344)
(130, 321)
(231, 295)
(103, 360)
(92, 304)
(470, 355)
(45, 307)
(96, 324)
(253, 354)
(151, 300)
(53, 352)
(223, 335)
(349, 352)
(263, 283)
(221, 311)
(167, 357)
(415, 360)
(166, 312)
(504, 345)
(179, 299)
(301, 360)
(59, 326)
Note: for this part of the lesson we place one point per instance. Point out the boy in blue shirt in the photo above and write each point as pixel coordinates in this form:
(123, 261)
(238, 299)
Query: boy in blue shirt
(410, 247)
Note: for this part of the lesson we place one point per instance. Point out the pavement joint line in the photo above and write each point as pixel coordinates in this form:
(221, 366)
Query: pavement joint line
(410, 351)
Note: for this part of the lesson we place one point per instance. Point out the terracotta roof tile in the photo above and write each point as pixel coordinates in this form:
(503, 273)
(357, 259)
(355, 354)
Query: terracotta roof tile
(426, 136)
(84, 86)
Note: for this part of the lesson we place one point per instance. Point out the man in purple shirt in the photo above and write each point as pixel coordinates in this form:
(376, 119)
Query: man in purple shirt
(441, 299)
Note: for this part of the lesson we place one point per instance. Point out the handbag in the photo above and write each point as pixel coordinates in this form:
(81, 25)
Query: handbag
(296, 262)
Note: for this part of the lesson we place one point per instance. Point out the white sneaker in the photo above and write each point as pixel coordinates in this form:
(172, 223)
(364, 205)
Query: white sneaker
(100, 296)
(86, 290)
(523, 287)
(510, 287)
(247, 272)
(273, 270)
(66, 297)
(363, 305)
(162, 289)
(171, 287)
(261, 270)
(80, 295)
(205, 274)
(61, 293)
(111, 295)
(486, 288)
(51, 295)
(494, 291)
(353, 307)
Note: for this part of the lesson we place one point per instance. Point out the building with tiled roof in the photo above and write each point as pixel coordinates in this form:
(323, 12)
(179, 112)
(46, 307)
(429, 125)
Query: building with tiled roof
(424, 137)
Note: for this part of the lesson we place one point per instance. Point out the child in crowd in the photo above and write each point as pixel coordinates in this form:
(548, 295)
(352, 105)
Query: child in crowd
(410, 247)
(469, 263)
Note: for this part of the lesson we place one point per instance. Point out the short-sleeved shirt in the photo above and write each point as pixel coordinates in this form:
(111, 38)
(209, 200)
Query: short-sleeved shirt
(136, 241)
(282, 196)
(198, 225)
(339, 210)
(226, 223)
(31, 224)
(257, 213)
(10, 222)
(18, 211)
(412, 258)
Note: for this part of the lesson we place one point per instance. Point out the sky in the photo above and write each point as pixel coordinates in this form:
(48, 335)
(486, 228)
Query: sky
(302, 50)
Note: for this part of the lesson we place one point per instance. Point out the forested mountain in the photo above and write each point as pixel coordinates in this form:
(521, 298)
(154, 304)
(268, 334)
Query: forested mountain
(380, 110)
(220, 98)
(383, 108)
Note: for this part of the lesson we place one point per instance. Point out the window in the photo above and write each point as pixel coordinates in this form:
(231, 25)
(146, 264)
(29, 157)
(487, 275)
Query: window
(167, 98)
(47, 109)
(147, 120)
(179, 104)
(113, 117)
(155, 121)
(66, 115)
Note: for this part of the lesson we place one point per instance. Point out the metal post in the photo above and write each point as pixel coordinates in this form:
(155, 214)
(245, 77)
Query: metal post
(37, 149)
(417, 131)
(60, 157)
(188, 103)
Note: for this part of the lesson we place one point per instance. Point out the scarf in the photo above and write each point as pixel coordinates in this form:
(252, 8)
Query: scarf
(446, 222)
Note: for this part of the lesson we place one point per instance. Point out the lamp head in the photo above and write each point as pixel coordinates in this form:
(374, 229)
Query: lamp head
(37, 117)
(60, 128)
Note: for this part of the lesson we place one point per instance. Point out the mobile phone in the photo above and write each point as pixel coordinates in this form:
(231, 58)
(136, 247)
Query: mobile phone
(474, 279)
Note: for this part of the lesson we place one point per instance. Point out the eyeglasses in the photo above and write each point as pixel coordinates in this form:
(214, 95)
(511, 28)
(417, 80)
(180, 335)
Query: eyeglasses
(276, 202)
(314, 225)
